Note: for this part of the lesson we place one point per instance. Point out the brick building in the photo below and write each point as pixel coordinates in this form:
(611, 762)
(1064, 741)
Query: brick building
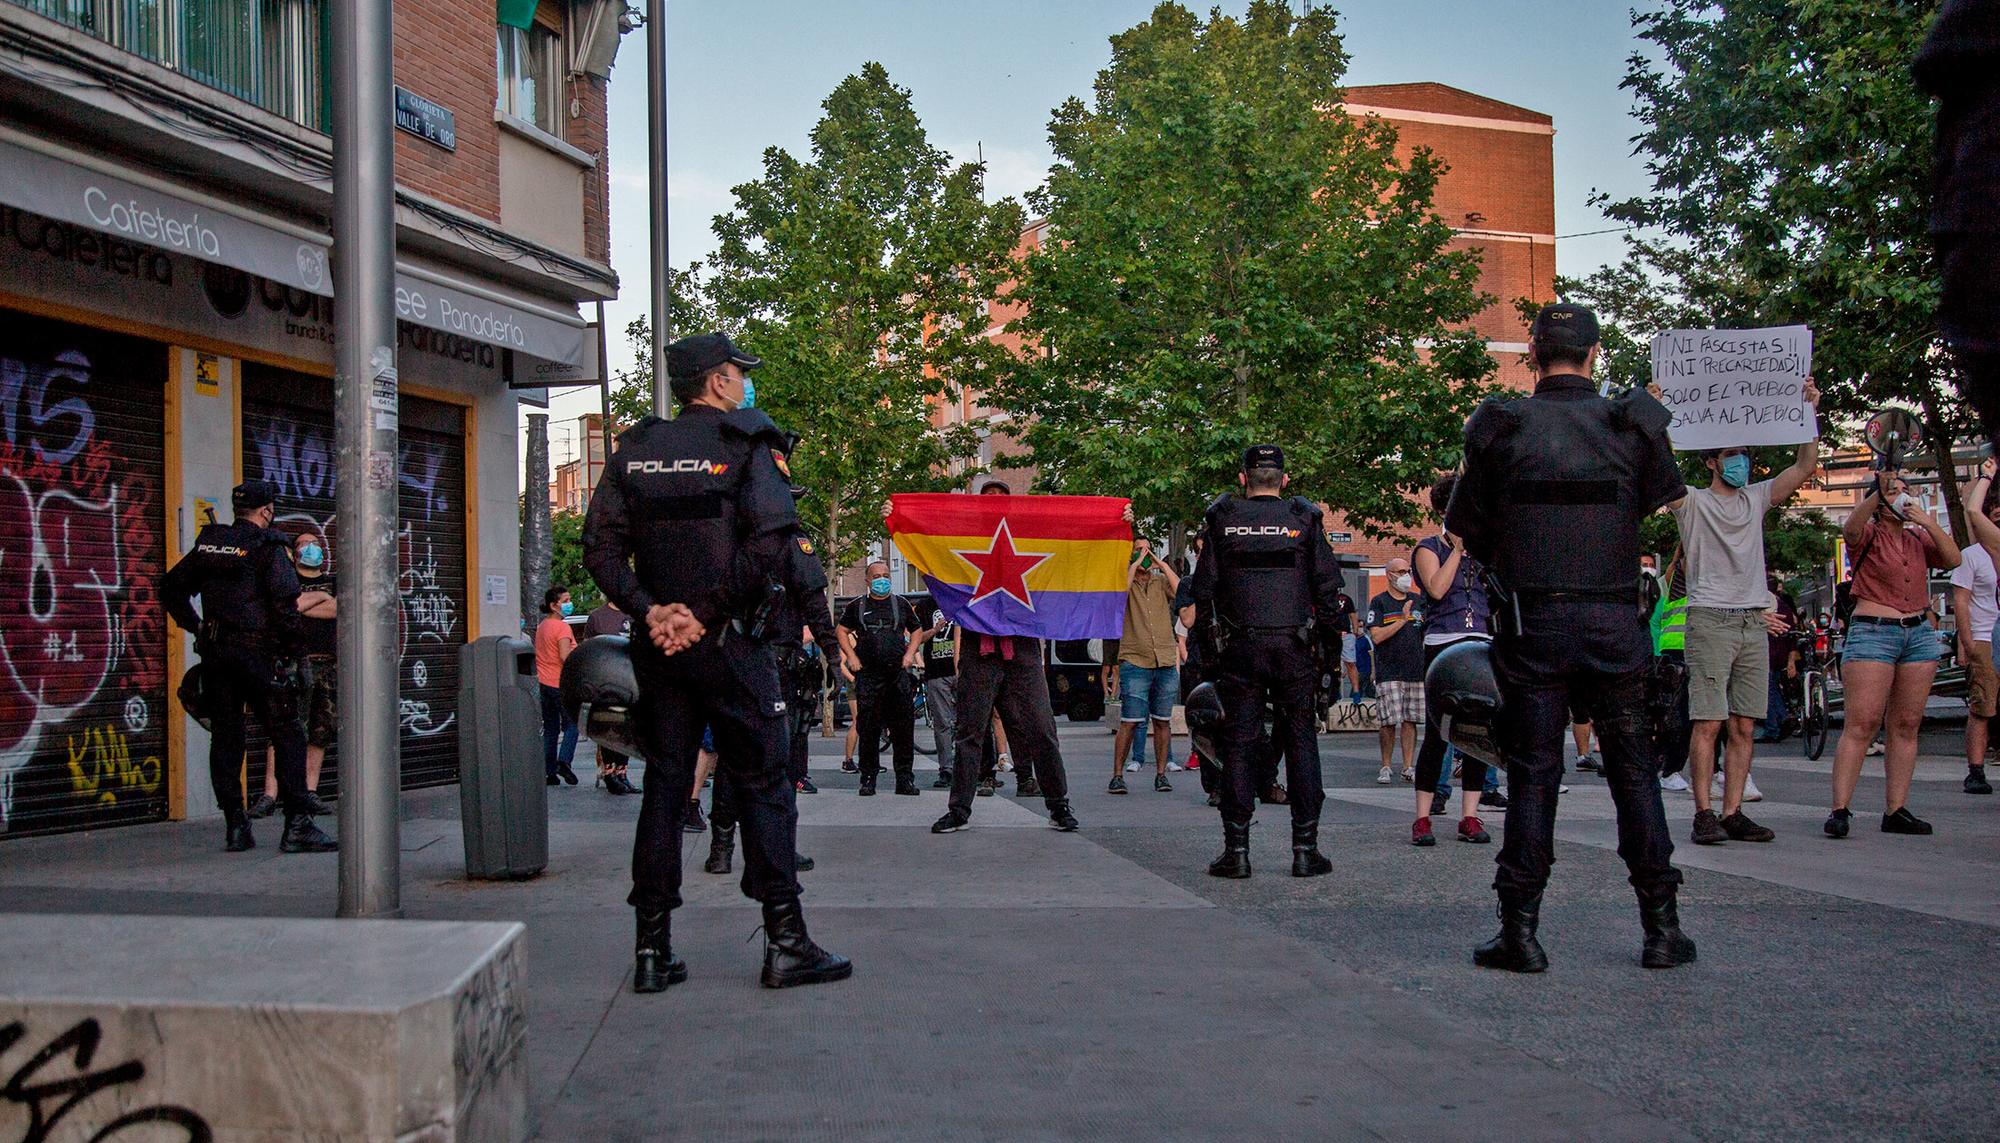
(166, 326)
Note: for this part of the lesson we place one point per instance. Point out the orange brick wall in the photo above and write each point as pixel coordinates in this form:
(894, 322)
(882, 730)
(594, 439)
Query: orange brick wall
(444, 52)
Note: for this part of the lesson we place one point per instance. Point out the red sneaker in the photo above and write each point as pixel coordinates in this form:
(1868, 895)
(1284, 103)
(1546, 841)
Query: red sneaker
(1420, 832)
(1472, 830)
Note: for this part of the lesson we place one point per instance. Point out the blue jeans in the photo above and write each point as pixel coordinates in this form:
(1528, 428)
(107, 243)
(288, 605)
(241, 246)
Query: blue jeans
(557, 725)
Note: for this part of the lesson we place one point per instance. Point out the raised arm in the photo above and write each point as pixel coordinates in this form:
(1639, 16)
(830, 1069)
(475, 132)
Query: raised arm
(1803, 463)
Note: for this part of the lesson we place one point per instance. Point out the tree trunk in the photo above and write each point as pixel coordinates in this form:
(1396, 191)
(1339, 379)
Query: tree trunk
(1941, 446)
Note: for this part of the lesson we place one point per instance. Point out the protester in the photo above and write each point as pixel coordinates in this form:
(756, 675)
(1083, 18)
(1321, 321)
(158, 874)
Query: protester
(1669, 628)
(1975, 610)
(1892, 651)
(1729, 621)
(1458, 613)
(612, 774)
(939, 639)
(1784, 655)
(322, 696)
(1147, 681)
(553, 643)
(880, 640)
(1395, 628)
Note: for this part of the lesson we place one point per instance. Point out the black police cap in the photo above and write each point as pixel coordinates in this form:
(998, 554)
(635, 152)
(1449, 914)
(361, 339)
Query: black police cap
(697, 354)
(252, 495)
(1566, 325)
(1263, 456)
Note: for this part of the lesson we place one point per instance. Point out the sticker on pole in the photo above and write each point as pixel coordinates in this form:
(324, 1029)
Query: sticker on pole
(1729, 387)
(382, 380)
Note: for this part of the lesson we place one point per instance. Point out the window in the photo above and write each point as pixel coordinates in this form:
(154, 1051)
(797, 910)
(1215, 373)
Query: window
(530, 63)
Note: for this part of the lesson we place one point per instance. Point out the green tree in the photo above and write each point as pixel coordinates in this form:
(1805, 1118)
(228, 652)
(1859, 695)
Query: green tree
(861, 277)
(1791, 163)
(1230, 259)
(566, 560)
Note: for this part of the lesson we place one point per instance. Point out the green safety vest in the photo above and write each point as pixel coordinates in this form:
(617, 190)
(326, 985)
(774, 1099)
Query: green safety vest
(1670, 625)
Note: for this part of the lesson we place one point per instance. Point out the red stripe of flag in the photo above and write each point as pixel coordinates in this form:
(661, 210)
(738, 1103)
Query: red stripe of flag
(1039, 517)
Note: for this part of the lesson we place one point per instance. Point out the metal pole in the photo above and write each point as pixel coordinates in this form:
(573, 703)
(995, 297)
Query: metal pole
(603, 393)
(364, 432)
(656, 157)
(536, 538)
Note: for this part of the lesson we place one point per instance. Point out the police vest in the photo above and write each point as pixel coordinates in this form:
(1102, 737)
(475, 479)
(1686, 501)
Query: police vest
(1577, 472)
(226, 569)
(682, 481)
(1261, 557)
(1670, 625)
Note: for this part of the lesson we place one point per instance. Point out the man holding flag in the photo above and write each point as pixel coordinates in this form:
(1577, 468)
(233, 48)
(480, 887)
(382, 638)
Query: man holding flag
(1012, 571)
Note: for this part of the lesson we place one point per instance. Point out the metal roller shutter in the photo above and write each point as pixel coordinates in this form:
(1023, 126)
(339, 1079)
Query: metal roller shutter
(288, 440)
(82, 635)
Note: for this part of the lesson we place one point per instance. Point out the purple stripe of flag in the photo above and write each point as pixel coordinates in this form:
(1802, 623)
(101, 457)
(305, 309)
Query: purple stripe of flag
(1056, 615)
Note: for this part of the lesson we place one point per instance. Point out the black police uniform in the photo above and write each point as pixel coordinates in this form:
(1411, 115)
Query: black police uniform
(1550, 501)
(1265, 572)
(884, 692)
(802, 605)
(699, 506)
(249, 635)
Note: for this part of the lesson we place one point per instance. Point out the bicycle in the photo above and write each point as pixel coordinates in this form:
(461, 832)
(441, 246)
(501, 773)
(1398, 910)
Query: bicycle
(1812, 693)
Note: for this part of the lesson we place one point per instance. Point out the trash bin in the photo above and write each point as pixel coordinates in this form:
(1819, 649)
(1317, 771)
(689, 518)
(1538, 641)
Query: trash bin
(502, 799)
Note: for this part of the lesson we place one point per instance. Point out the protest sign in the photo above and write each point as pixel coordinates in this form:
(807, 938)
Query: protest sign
(1729, 387)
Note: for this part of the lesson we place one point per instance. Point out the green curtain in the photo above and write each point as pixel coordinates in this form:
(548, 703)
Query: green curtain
(517, 13)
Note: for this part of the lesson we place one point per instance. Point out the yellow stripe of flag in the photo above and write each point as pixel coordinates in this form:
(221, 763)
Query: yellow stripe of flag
(1075, 565)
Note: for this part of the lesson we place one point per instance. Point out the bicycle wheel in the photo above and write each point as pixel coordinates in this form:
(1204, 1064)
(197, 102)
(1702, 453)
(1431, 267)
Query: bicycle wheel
(1812, 723)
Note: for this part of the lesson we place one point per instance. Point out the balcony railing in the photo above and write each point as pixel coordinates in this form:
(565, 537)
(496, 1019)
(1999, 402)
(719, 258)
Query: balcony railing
(272, 53)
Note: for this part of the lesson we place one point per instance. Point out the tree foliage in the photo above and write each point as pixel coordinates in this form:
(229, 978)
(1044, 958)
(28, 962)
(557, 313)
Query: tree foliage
(860, 276)
(688, 311)
(1229, 259)
(1790, 155)
(566, 560)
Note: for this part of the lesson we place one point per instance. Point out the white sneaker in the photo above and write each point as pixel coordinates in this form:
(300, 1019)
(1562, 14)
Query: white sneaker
(1005, 765)
(1383, 778)
(1562, 789)
(1409, 774)
(1750, 791)
(1131, 767)
(1715, 785)
(1175, 767)
(1676, 782)
(1875, 750)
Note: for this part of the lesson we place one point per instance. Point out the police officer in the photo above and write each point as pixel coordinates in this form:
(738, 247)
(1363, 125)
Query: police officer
(1265, 573)
(249, 636)
(687, 532)
(1554, 487)
(802, 607)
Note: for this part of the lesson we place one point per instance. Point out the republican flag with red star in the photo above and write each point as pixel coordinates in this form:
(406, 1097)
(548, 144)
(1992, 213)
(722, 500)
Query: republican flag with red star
(1052, 567)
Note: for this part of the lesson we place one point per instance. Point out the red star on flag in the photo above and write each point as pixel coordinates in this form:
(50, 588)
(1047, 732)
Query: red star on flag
(1002, 569)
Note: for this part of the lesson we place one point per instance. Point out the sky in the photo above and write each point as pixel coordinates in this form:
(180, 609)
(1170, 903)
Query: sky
(746, 75)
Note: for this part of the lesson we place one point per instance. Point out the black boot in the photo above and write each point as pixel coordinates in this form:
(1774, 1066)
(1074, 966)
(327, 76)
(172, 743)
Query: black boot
(1306, 858)
(1515, 948)
(721, 848)
(1666, 945)
(302, 836)
(236, 835)
(790, 956)
(654, 964)
(906, 785)
(868, 785)
(1235, 859)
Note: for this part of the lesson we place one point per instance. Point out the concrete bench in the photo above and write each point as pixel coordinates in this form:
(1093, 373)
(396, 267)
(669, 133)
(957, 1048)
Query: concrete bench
(238, 1029)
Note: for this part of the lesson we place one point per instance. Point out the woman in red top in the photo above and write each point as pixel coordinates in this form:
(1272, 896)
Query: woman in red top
(1892, 651)
(553, 643)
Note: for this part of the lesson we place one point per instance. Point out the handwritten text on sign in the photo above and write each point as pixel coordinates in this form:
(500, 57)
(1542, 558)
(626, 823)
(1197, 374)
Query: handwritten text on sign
(1735, 386)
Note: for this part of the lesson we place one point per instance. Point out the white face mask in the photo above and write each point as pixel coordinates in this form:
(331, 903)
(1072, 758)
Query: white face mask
(1402, 582)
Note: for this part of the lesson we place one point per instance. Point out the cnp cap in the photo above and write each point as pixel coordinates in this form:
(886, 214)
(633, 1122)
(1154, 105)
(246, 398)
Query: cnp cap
(1565, 324)
(1263, 456)
(252, 495)
(692, 356)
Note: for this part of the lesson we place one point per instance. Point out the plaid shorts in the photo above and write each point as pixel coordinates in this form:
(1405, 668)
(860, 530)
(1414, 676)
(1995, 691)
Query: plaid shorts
(1399, 702)
(322, 699)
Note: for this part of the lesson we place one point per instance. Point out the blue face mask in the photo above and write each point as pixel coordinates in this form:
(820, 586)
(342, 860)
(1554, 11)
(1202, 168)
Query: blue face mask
(1736, 470)
(568, 608)
(749, 393)
(879, 585)
(311, 556)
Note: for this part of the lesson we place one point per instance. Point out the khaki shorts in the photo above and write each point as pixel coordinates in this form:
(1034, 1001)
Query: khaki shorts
(1982, 683)
(1728, 662)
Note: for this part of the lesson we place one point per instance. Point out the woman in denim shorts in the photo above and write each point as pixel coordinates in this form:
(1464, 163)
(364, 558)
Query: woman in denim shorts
(1892, 650)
